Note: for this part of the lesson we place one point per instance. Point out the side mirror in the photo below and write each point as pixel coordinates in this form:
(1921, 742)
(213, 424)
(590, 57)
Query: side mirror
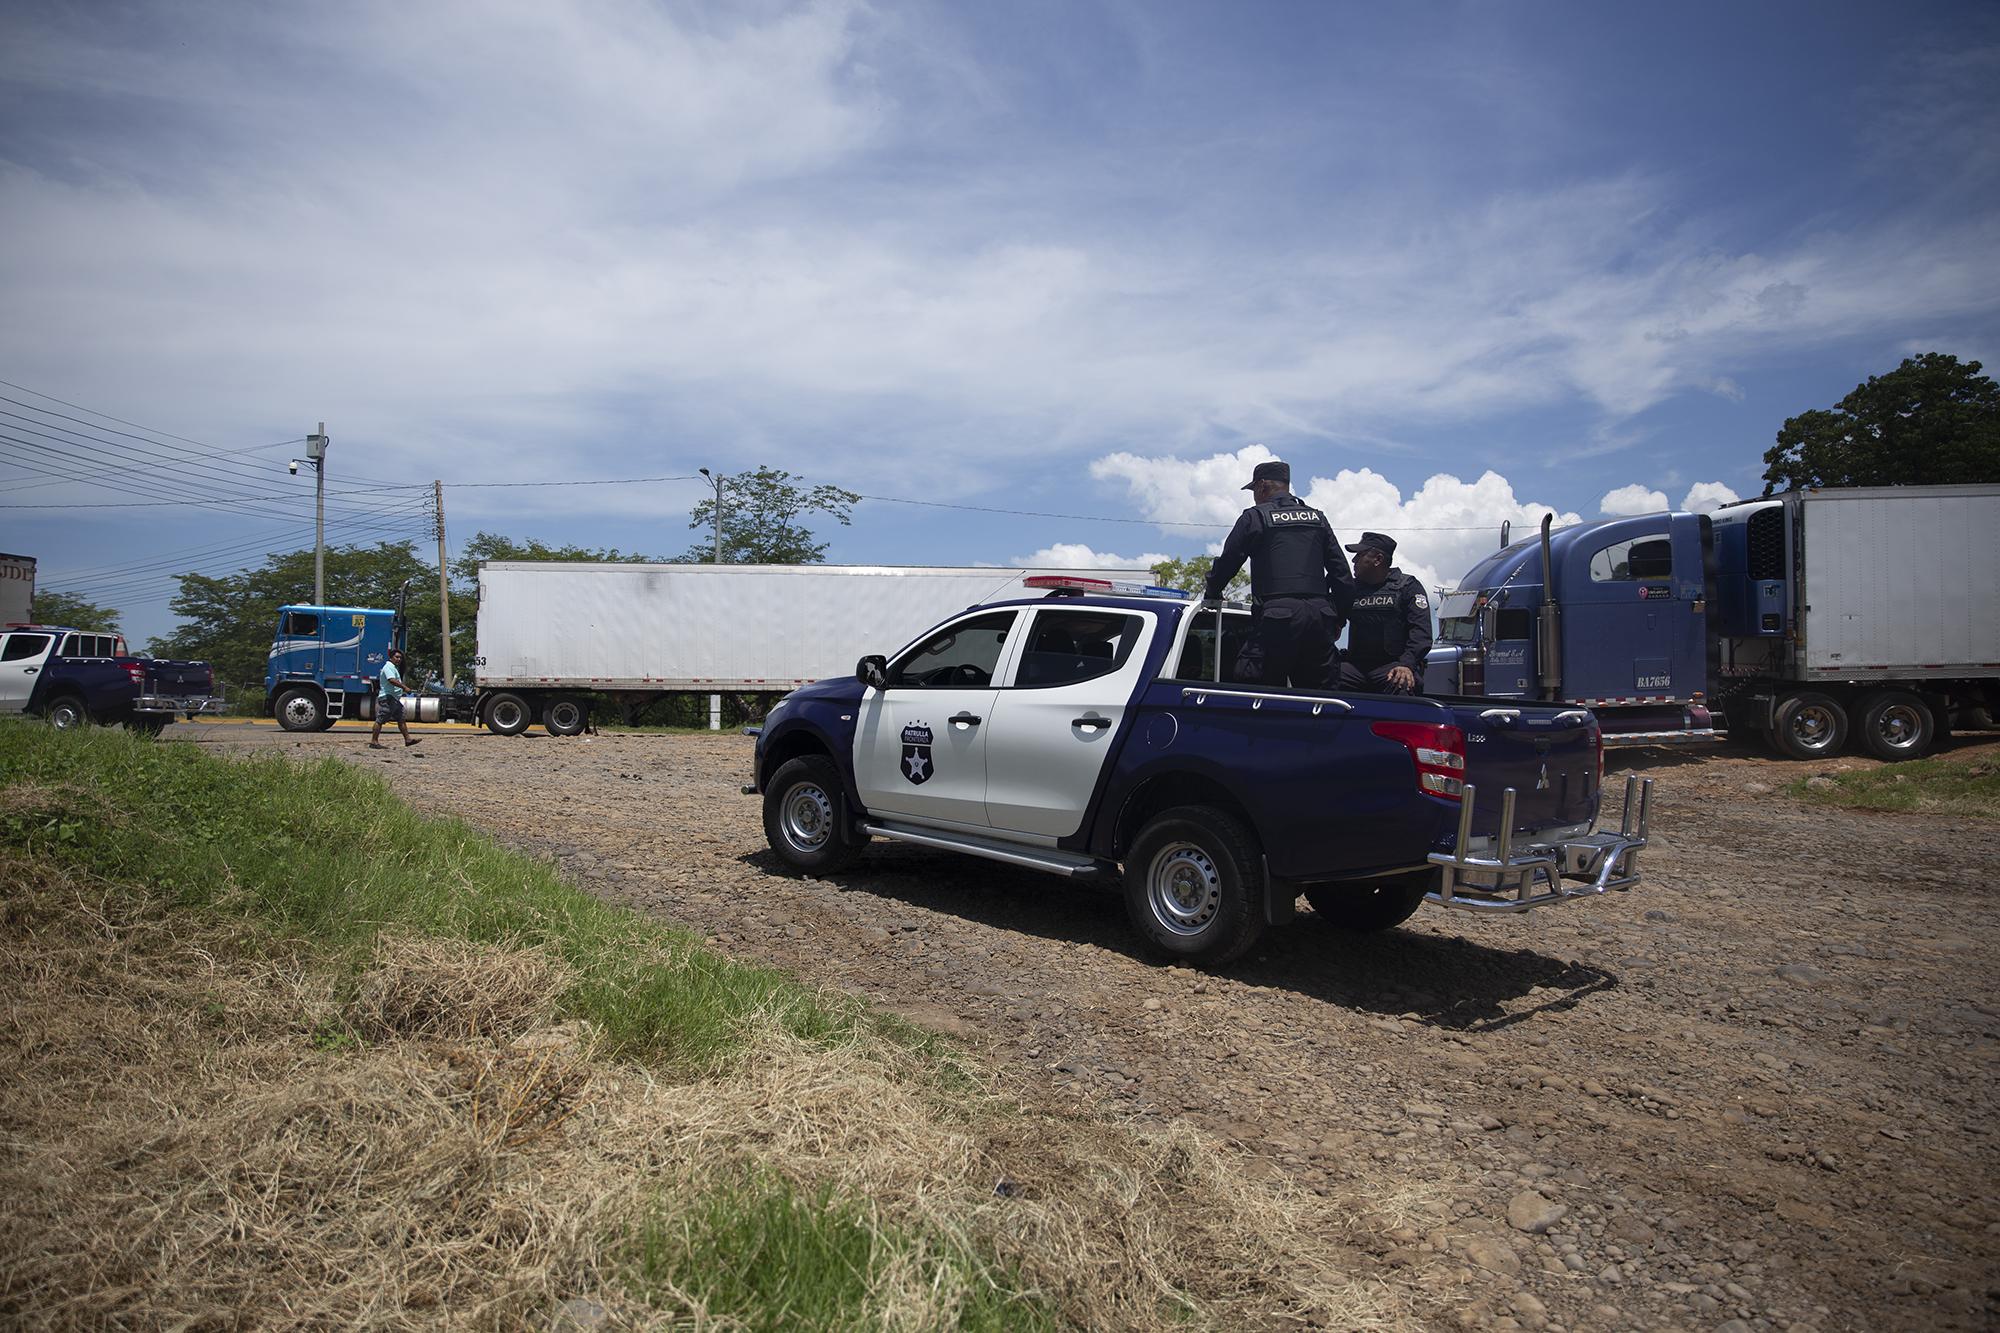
(873, 671)
(1489, 625)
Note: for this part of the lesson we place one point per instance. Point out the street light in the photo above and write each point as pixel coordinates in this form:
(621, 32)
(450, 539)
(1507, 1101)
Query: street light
(316, 457)
(717, 479)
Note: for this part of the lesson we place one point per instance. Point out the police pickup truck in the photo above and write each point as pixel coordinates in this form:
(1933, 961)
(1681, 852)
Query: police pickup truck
(1091, 730)
(76, 677)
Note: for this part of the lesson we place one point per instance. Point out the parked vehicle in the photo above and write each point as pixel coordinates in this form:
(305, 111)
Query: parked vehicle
(76, 677)
(552, 635)
(1805, 619)
(1091, 730)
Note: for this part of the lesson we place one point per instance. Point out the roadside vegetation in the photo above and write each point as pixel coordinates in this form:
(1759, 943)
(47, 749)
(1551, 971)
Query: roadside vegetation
(1939, 786)
(276, 1048)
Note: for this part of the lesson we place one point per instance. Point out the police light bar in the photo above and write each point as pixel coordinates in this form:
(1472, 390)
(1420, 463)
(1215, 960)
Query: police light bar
(1100, 587)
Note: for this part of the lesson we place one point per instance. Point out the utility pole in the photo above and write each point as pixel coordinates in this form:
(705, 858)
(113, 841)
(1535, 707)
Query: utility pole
(717, 479)
(444, 586)
(316, 455)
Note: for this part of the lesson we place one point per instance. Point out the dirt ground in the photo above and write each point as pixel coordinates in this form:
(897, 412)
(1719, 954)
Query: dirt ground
(1757, 1092)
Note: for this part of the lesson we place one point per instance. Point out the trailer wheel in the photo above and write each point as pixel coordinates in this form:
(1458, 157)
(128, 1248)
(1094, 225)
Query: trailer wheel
(67, 713)
(301, 710)
(565, 717)
(803, 810)
(1809, 725)
(1194, 885)
(508, 715)
(1372, 905)
(1896, 725)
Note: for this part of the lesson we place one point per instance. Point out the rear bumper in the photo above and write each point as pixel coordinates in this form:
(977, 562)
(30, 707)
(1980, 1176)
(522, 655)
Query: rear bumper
(1519, 877)
(168, 703)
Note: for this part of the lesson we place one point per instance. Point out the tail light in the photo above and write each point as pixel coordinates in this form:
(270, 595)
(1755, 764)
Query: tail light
(1439, 753)
(1471, 671)
(138, 674)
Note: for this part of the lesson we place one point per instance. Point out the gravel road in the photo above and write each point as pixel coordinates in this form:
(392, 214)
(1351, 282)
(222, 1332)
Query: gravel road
(1757, 1092)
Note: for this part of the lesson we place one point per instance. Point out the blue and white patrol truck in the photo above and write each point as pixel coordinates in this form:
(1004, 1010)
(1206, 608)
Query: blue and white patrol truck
(1090, 734)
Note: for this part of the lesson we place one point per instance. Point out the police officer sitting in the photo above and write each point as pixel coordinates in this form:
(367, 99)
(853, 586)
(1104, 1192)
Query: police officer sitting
(1389, 622)
(1295, 565)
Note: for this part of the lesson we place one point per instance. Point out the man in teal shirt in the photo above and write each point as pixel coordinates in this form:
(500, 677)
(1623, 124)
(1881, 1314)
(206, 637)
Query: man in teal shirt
(389, 700)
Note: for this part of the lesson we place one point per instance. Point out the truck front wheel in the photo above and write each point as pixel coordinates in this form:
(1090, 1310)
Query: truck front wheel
(301, 710)
(1372, 905)
(1896, 724)
(508, 715)
(1809, 725)
(802, 817)
(565, 717)
(1194, 885)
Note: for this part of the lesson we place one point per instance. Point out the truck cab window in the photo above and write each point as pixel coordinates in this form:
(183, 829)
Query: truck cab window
(1459, 629)
(1515, 624)
(1065, 647)
(20, 647)
(961, 656)
(1641, 558)
(1198, 653)
(301, 623)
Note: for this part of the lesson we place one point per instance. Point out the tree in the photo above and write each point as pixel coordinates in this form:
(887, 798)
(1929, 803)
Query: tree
(228, 621)
(1191, 575)
(62, 608)
(760, 513)
(1931, 421)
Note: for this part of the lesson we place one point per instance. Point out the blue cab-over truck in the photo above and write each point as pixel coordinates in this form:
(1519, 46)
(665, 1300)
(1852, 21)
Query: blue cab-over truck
(76, 677)
(1090, 735)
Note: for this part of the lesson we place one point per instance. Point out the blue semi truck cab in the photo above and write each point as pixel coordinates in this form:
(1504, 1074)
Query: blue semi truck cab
(1805, 619)
(324, 662)
(1090, 735)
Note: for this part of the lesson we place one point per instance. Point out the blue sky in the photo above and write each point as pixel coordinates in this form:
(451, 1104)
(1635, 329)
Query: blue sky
(1458, 263)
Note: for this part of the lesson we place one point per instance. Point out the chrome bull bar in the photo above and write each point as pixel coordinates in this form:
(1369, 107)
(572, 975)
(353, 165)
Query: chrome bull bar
(1520, 879)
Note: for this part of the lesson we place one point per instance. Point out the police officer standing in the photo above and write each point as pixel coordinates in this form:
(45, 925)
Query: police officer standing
(1295, 567)
(1389, 622)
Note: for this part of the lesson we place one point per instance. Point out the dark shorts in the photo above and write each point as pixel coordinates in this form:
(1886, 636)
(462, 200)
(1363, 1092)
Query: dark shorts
(389, 710)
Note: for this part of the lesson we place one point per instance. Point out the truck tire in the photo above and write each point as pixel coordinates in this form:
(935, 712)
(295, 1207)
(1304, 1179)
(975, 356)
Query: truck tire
(149, 724)
(301, 710)
(1371, 905)
(803, 815)
(565, 716)
(1809, 725)
(67, 713)
(1896, 725)
(508, 715)
(1194, 885)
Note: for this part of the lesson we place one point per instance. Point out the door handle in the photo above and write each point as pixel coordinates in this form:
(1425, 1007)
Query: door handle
(30, 671)
(1090, 723)
(963, 720)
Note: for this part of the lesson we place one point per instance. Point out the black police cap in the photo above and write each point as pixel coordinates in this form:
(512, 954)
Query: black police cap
(1278, 472)
(1386, 545)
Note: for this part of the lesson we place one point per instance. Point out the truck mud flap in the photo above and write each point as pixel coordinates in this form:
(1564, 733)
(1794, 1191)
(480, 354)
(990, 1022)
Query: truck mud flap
(1520, 878)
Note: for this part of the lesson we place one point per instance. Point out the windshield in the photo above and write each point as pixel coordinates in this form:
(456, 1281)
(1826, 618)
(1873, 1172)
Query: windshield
(1461, 629)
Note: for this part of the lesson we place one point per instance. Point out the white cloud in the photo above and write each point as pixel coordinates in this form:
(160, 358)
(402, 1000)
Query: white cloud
(1705, 497)
(1441, 529)
(1076, 555)
(1633, 499)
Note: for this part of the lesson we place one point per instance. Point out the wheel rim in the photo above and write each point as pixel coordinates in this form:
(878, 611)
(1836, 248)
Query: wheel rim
(566, 717)
(806, 817)
(1813, 726)
(65, 717)
(507, 715)
(1900, 727)
(300, 710)
(1183, 888)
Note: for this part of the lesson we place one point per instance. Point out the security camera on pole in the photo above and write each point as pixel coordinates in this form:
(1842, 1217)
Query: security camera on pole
(316, 456)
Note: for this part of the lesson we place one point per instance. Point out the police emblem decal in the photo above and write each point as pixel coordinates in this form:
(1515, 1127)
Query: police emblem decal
(917, 753)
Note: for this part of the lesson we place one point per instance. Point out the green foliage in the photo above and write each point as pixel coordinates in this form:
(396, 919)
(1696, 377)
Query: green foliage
(228, 620)
(61, 608)
(1191, 575)
(760, 1255)
(760, 520)
(1932, 421)
(1942, 786)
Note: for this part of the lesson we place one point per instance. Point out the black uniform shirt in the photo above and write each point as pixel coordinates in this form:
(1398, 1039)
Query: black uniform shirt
(1389, 624)
(1291, 549)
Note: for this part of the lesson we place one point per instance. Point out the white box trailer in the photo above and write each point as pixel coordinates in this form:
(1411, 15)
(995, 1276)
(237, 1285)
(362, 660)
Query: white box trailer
(548, 630)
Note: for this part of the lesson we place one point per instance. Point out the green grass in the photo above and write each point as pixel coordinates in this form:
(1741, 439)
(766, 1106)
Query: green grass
(811, 1261)
(328, 854)
(1944, 786)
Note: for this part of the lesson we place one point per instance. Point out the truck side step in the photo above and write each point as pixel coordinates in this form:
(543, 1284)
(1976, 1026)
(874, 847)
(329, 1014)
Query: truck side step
(1046, 859)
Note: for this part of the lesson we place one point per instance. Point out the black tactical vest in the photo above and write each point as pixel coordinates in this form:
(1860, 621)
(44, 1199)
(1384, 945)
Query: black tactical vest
(1290, 558)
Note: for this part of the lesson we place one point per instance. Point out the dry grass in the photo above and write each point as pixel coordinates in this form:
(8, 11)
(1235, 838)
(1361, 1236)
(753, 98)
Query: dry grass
(200, 1129)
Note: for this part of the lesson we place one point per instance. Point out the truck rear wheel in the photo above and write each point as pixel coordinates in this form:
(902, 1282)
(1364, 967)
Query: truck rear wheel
(1371, 905)
(301, 710)
(508, 715)
(67, 713)
(565, 717)
(1809, 725)
(1194, 885)
(1896, 725)
(802, 817)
